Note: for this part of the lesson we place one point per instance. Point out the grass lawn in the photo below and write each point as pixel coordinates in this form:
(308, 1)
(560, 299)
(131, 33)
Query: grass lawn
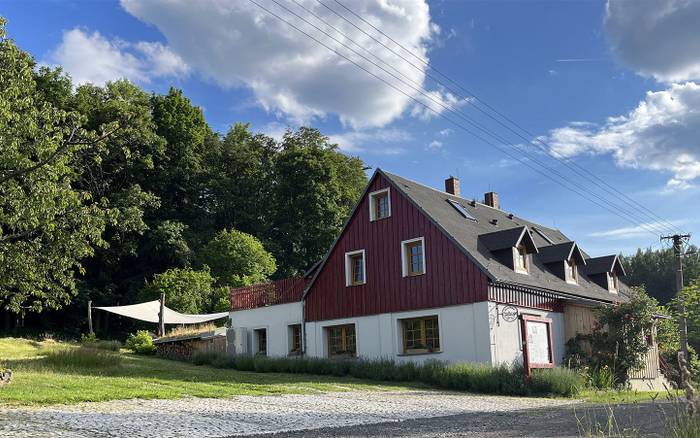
(617, 397)
(37, 381)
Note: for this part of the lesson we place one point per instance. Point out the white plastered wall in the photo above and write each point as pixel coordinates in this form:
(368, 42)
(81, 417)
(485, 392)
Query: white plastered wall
(275, 319)
(464, 334)
(506, 337)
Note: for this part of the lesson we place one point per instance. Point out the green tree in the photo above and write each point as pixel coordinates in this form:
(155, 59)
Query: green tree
(316, 188)
(186, 290)
(237, 259)
(47, 225)
(656, 270)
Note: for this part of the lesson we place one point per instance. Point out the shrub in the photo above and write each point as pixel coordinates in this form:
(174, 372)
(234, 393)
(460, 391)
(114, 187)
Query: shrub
(82, 357)
(88, 338)
(140, 342)
(461, 377)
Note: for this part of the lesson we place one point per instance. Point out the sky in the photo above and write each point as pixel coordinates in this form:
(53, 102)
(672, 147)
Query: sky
(582, 115)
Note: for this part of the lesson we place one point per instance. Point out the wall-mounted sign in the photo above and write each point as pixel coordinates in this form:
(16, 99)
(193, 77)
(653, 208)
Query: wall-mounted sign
(509, 313)
(538, 342)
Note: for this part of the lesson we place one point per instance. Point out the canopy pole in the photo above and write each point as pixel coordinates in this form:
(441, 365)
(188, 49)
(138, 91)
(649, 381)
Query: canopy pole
(161, 319)
(90, 317)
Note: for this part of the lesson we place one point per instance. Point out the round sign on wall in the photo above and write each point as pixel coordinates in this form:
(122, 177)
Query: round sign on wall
(509, 313)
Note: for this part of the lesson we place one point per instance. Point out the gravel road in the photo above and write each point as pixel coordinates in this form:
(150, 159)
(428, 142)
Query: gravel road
(327, 414)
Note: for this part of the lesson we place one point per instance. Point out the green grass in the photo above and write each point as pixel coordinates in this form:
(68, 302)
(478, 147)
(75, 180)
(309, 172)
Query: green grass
(623, 396)
(39, 381)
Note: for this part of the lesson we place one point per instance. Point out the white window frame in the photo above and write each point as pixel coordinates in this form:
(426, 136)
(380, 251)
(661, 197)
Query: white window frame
(611, 282)
(516, 255)
(372, 206)
(348, 268)
(571, 276)
(404, 260)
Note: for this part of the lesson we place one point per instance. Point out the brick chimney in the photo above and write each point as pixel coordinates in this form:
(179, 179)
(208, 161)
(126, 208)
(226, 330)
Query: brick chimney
(491, 199)
(452, 186)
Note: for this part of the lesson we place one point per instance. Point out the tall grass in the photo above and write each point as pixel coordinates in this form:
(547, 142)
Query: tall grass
(467, 377)
(82, 357)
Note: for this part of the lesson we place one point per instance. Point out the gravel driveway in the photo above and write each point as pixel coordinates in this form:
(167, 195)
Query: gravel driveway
(250, 415)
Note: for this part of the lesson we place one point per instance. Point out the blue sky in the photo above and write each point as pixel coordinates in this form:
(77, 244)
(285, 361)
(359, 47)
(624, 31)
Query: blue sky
(608, 87)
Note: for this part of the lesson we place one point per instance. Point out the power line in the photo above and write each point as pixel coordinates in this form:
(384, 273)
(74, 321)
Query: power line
(542, 145)
(646, 227)
(420, 90)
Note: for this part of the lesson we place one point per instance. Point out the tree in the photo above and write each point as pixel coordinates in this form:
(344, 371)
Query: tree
(47, 225)
(655, 270)
(186, 290)
(237, 259)
(316, 188)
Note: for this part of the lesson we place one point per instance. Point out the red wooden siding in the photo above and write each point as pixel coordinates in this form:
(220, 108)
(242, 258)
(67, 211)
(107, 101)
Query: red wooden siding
(277, 292)
(450, 278)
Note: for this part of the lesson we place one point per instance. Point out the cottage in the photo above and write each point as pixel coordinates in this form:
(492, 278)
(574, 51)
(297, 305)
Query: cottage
(418, 274)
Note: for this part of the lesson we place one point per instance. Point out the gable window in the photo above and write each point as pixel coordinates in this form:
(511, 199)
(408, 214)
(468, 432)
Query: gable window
(341, 341)
(295, 339)
(355, 268)
(521, 262)
(421, 335)
(571, 271)
(613, 282)
(261, 341)
(379, 205)
(413, 257)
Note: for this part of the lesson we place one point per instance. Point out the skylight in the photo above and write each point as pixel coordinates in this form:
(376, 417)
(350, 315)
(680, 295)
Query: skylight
(461, 209)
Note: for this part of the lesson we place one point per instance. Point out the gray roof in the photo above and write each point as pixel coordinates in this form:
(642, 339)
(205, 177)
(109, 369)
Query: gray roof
(560, 252)
(466, 235)
(600, 265)
(504, 239)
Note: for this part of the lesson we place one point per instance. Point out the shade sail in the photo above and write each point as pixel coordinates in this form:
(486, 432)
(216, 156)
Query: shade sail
(149, 312)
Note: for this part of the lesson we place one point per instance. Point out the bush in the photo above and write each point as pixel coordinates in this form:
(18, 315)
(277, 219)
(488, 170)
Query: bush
(82, 357)
(140, 342)
(461, 377)
(88, 338)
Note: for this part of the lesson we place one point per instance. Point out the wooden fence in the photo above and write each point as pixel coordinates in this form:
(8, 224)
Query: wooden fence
(283, 291)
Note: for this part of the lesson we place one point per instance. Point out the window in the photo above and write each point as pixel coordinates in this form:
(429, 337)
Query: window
(462, 210)
(379, 205)
(341, 341)
(522, 263)
(413, 257)
(421, 335)
(355, 268)
(295, 339)
(261, 341)
(571, 271)
(613, 282)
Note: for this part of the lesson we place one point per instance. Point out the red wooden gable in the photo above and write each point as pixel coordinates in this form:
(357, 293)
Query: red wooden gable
(450, 278)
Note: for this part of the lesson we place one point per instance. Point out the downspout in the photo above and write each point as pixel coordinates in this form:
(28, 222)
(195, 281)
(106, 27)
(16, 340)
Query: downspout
(303, 325)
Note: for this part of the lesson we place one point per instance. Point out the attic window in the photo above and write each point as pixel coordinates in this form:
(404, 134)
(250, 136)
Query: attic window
(571, 271)
(521, 260)
(613, 283)
(379, 205)
(463, 211)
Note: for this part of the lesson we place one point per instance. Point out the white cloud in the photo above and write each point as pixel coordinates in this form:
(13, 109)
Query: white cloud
(92, 58)
(236, 44)
(372, 141)
(662, 133)
(633, 232)
(434, 145)
(657, 38)
(446, 132)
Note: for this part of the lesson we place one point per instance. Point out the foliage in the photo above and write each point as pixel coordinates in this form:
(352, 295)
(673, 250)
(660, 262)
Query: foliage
(185, 289)
(82, 357)
(47, 225)
(618, 343)
(140, 342)
(88, 338)
(468, 377)
(237, 259)
(189, 329)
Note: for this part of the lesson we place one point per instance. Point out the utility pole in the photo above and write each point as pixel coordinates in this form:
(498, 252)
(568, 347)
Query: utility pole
(678, 241)
(161, 316)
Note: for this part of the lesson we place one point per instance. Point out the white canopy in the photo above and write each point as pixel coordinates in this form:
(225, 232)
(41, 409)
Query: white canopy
(149, 312)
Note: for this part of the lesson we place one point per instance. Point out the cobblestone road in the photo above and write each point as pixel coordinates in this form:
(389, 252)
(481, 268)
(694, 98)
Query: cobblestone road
(246, 415)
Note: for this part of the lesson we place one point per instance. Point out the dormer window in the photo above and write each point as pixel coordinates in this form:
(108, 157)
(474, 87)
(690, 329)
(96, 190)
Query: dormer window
(521, 260)
(613, 283)
(571, 271)
(379, 205)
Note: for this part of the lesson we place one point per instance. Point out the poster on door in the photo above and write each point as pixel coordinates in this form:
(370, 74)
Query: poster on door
(538, 342)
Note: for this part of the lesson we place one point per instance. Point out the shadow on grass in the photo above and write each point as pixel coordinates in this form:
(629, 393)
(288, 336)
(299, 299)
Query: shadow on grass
(149, 367)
